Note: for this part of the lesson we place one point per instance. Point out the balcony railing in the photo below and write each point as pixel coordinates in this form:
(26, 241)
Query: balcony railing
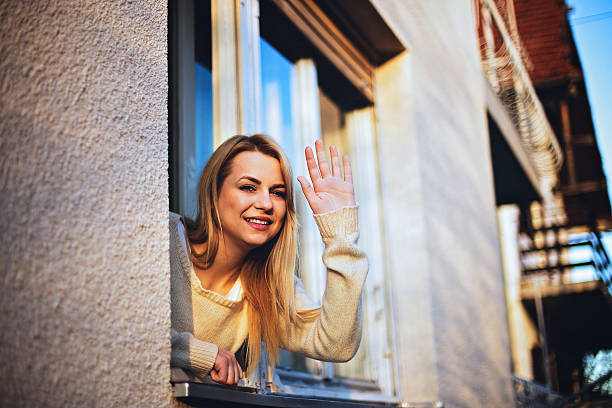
(531, 395)
(547, 252)
(504, 67)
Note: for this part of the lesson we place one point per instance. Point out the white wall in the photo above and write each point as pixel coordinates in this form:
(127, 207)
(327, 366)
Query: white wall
(440, 209)
(84, 304)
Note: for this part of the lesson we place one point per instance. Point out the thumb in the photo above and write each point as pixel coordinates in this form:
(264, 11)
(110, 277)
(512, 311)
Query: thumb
(308, 191)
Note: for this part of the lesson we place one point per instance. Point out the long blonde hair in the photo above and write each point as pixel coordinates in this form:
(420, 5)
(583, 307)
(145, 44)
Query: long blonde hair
(267, 272)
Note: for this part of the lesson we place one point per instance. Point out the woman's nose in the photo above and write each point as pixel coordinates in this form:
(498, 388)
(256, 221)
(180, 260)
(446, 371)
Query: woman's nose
(263, 201)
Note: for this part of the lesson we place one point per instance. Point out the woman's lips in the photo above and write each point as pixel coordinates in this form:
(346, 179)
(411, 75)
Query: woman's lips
(258, 223)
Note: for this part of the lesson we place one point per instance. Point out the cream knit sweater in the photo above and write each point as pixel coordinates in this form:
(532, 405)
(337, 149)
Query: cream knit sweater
(204, 321)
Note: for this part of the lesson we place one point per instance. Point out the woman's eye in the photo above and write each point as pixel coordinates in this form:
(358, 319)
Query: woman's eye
(247, 187)
(279, 193)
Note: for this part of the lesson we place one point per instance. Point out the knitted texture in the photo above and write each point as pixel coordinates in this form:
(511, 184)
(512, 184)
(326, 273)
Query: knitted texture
(203, 320)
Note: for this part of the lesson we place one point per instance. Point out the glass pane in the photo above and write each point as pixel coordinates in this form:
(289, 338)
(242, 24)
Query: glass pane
(198, 145)
(203, 115)
(277, 76)
(333, 126)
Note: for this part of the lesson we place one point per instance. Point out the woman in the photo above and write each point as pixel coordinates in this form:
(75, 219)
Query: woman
(233, 266)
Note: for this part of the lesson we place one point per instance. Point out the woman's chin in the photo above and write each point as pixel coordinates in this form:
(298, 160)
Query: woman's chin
(255, 243)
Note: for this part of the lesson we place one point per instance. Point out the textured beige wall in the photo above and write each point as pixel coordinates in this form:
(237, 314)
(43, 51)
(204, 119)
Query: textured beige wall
(440, 209)
(84, 306)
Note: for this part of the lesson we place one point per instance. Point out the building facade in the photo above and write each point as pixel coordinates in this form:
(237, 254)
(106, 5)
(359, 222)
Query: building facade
(110, 109)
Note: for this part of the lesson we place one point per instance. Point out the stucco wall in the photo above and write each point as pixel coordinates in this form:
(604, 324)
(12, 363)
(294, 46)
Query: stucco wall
(84, 305)
(440, 209)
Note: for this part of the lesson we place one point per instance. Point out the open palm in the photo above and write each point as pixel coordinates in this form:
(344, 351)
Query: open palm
(329, 190)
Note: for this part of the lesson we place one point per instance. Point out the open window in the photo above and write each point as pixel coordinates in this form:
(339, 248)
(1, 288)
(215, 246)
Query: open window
(190, 102)
(311, 67)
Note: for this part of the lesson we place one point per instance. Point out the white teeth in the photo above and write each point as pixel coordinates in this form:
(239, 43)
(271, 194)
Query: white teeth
(256, 221)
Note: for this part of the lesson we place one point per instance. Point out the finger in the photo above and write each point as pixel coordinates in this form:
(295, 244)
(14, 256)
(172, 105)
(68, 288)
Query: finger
(335, 161)
(230, 373)
(308, 191)
(239, 370)
(236, 372)
(311, 163)
(223, 367)
(348, 173)
(219, 374)
(223, 373)
(323, 166)
(231, 379)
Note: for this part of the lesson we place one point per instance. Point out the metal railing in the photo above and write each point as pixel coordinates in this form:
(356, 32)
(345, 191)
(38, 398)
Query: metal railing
(601, 261)
(553, 257)
(504, 67)
(528, 394)
(576, 398)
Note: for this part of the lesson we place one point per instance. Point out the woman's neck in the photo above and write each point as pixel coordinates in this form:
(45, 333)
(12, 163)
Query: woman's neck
(221, 276)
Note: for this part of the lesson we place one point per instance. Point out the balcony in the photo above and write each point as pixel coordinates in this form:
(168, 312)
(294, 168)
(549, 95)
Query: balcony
(532, 139)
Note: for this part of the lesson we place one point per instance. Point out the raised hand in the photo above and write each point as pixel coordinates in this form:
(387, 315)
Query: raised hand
(329, 190)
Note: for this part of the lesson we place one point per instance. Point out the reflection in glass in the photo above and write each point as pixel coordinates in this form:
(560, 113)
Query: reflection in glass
(203, 115)
(277, 76)
(199, 144)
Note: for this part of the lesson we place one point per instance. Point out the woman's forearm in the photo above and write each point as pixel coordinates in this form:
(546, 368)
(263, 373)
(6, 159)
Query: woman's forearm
(334, 333)
(191, 353)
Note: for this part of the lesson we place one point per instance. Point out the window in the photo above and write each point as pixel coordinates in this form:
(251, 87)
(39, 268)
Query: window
(283, 67)
(191, 103)
(278, 80)
(354, 132)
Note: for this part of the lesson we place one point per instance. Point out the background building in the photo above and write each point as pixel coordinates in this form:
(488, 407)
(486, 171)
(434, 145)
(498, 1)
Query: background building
(109, 110)
(565, 269)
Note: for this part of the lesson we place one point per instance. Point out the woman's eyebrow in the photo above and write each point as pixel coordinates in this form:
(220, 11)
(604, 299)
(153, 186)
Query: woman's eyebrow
(250, 178)
(258, 182)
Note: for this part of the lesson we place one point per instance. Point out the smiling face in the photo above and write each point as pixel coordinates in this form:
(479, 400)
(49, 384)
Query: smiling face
(251, 202)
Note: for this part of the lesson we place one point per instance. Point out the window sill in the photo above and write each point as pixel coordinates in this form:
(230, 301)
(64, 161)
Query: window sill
(199, 394)
(290, 382)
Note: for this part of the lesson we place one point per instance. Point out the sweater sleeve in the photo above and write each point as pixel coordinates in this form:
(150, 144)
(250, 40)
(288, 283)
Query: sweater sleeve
(333, 331)
(192, 354)
(188, 352)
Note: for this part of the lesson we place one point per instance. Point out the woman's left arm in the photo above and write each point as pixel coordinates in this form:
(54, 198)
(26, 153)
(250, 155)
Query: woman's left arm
(333, 331)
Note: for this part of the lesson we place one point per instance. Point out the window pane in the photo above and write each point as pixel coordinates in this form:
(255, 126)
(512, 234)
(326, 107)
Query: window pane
(203, 116)
(202, 136)
(191, 104)
(333, 129)
(277, 74)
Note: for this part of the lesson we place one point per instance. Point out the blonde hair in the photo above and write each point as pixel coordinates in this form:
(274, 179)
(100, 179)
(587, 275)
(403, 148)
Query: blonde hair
(267, 272)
